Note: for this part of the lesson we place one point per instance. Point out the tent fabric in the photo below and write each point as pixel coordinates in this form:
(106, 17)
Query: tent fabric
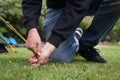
(3, 42)
(2, 48)
(12, 41)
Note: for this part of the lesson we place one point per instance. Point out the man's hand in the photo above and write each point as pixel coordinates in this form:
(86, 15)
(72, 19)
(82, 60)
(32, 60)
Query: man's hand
(43, 58)
(33, 60)
(46, 52)
(34, 41)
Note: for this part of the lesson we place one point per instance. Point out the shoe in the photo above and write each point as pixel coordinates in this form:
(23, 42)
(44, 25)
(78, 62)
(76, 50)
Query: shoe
(92, 54)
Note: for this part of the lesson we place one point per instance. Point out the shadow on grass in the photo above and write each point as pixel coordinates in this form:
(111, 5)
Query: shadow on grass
(79, 60)
(83, 61)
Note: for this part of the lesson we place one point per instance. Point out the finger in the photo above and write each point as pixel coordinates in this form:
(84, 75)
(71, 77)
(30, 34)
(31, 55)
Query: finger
(41, 61)
(33, 64)
(33, 48)
(39, 48)
(32, 60)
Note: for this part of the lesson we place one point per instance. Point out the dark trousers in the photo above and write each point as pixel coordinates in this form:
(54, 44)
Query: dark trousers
(105, 16)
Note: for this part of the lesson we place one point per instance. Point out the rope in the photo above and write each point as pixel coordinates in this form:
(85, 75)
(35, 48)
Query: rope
(13, 29)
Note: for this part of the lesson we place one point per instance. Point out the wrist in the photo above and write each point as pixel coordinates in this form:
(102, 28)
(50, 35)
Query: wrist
(32, 30)
(48, 48)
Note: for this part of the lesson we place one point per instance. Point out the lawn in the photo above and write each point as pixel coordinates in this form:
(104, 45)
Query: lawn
(14, 66)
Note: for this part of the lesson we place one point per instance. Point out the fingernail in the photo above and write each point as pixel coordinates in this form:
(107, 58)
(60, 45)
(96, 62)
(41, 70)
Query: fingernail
(39, 54)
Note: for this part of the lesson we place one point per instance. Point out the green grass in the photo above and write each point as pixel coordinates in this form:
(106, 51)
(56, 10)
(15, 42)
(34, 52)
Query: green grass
(15, 67)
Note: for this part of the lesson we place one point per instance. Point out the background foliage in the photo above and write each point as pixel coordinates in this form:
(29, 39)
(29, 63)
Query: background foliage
(11, 11)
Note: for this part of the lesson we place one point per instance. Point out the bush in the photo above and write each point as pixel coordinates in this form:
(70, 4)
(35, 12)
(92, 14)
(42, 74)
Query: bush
(11, 11)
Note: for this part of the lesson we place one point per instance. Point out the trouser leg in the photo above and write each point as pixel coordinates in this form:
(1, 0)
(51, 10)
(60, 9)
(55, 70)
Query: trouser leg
(104, 20)
(67, 49)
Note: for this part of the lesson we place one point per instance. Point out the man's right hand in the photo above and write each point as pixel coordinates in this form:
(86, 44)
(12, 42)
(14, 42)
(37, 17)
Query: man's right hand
(33, 42)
